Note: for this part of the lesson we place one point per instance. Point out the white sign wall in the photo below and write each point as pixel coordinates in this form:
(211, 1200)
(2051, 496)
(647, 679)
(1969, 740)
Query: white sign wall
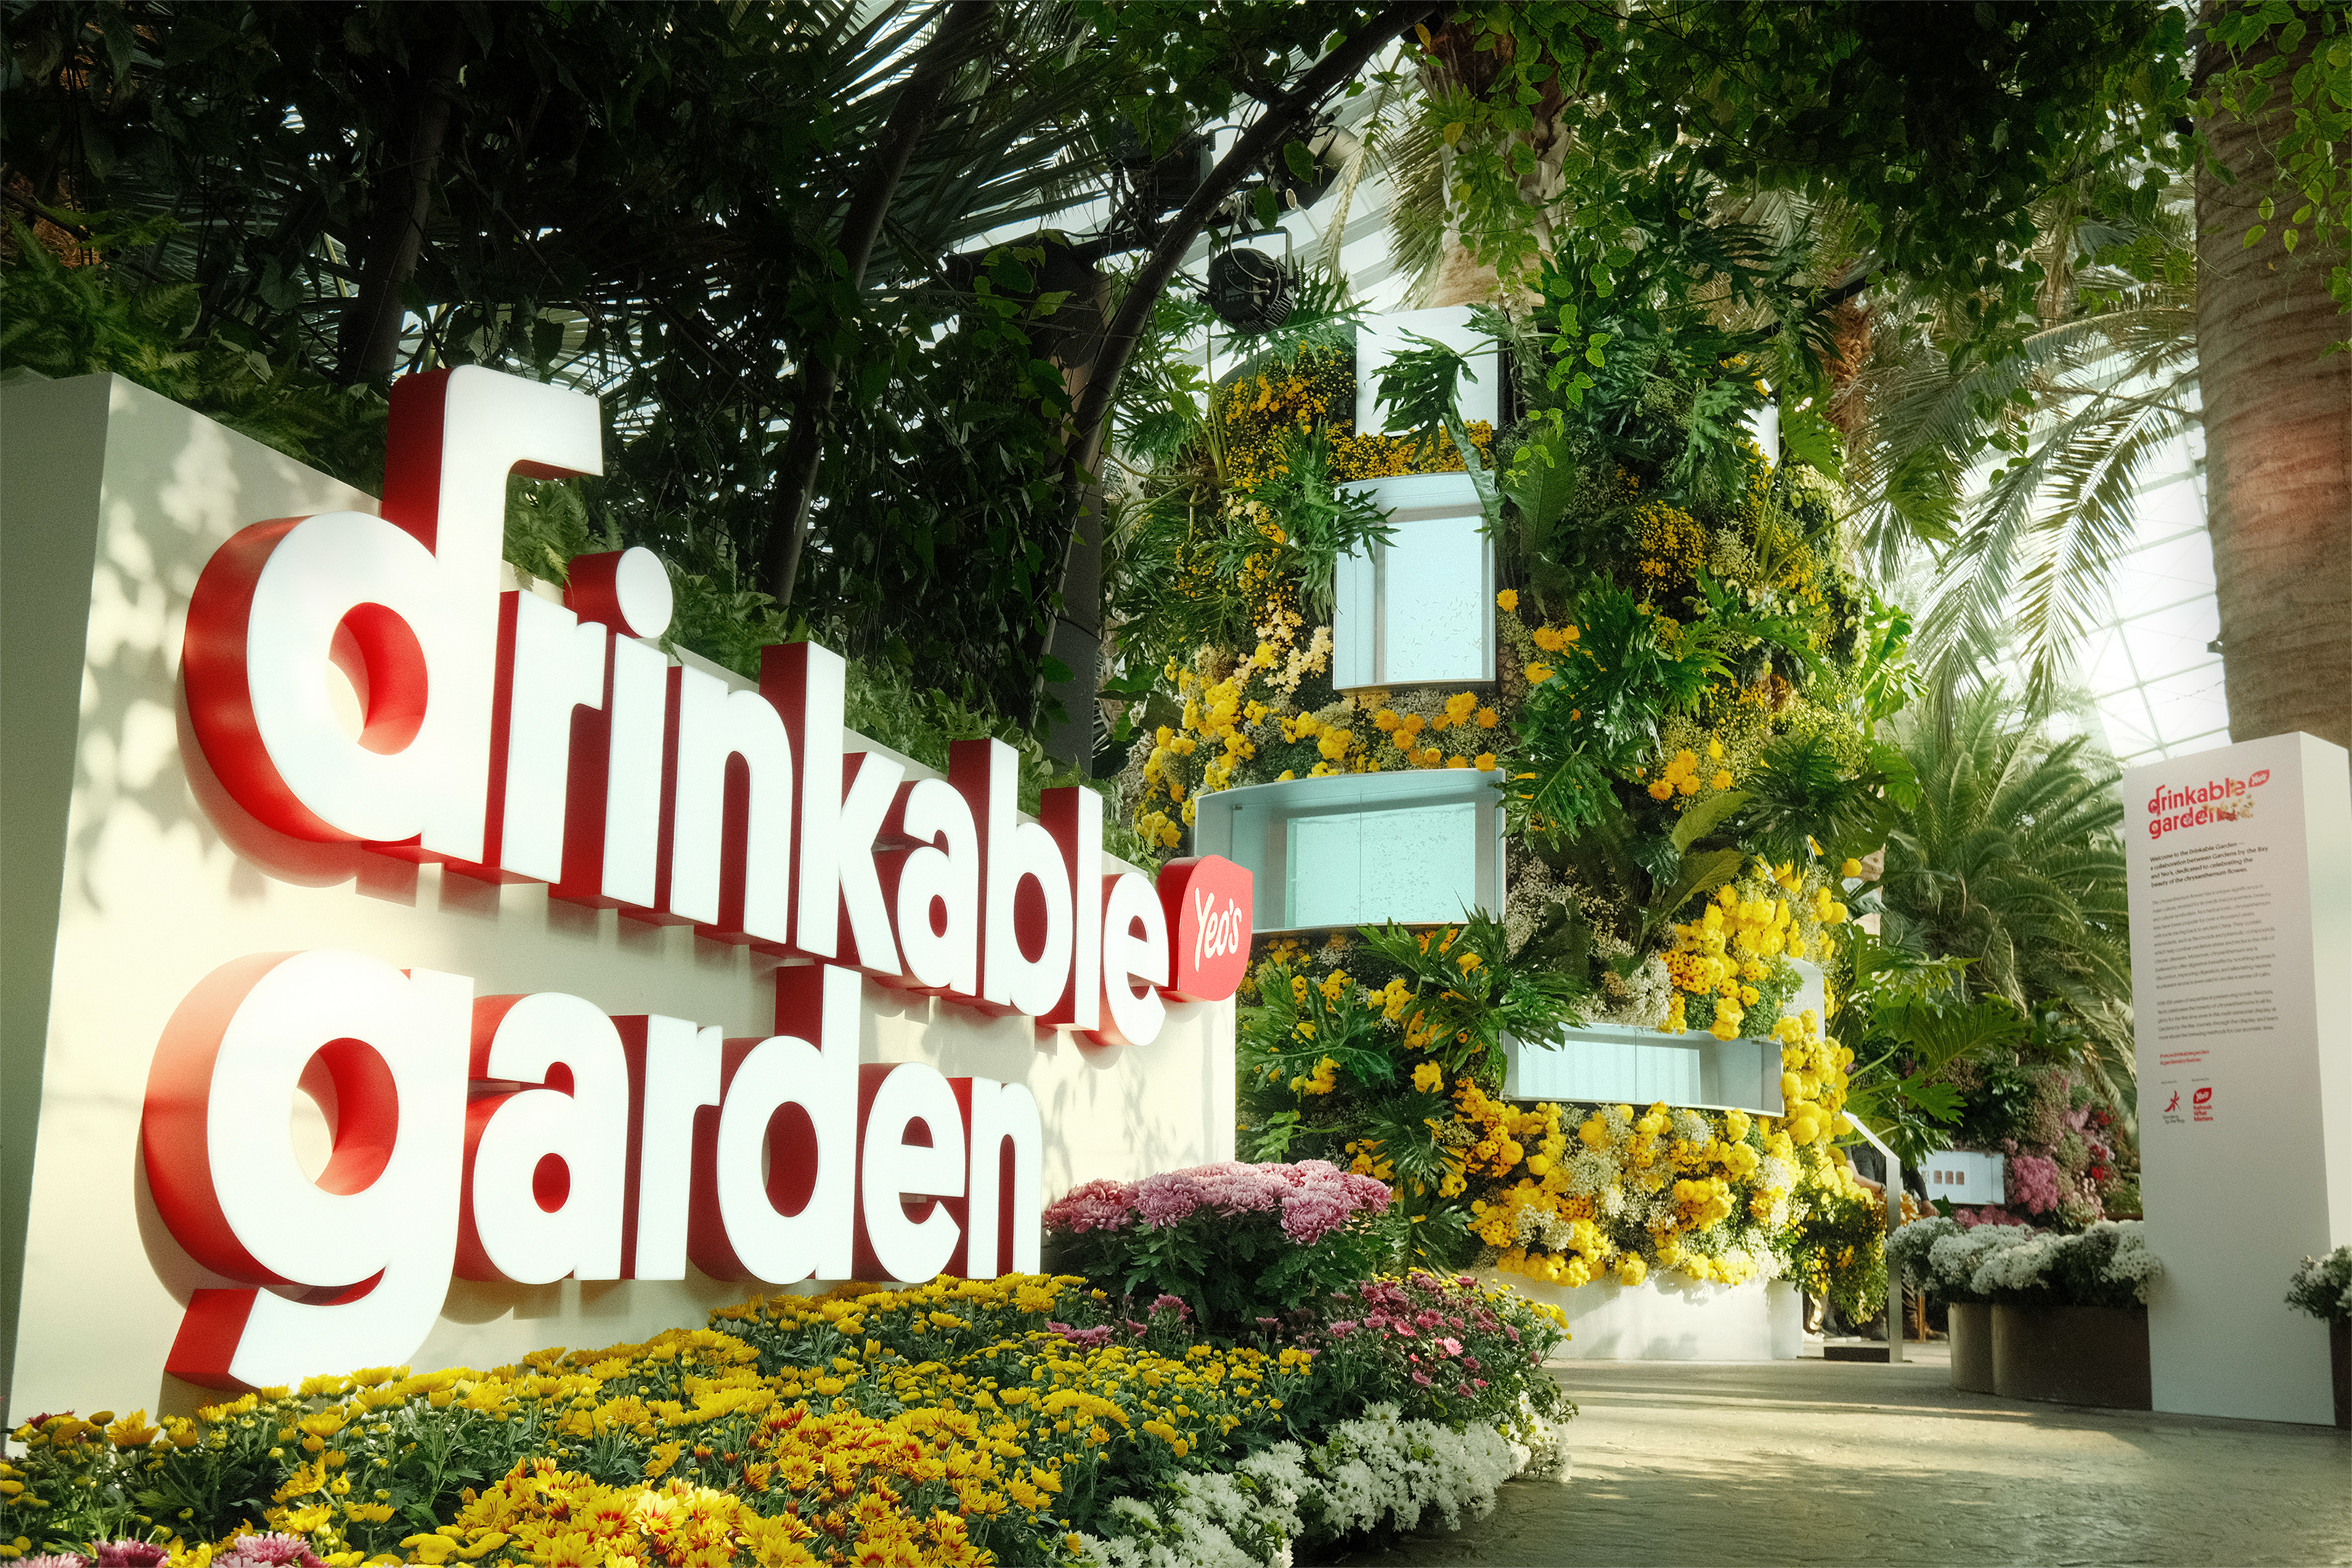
(2240, 870)
(135, 879)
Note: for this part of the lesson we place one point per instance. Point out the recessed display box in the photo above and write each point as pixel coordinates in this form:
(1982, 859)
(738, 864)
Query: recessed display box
(1419, 610)
(1362, 849)
(1639, 1067)
(1959, 1176)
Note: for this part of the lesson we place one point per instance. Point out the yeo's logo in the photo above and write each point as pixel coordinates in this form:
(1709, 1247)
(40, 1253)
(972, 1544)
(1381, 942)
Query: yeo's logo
(1208, 911)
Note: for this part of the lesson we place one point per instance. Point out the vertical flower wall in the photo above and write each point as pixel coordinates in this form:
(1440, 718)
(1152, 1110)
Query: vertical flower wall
(1690, 674)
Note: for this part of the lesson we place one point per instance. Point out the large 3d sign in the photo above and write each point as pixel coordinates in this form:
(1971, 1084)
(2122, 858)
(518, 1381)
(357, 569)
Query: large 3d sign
(529, 1139)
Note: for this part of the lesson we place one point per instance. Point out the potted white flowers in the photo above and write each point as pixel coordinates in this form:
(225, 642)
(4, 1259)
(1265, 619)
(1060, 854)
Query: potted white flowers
(2041, 1315)
(2070, 1315)
(2323, 1287)
(1941, 1257)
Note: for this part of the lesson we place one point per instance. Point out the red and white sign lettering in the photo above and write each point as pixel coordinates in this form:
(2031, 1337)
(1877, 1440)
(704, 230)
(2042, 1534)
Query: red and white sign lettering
(529, 1139)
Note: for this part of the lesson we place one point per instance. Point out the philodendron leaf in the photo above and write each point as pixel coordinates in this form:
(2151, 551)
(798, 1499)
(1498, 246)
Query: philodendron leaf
(1940, 1101)
(1699, 873)
(1541, 482)
(1703, 818)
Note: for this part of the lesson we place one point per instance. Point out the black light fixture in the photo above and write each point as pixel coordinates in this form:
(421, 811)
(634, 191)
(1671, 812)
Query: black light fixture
(1250, 290)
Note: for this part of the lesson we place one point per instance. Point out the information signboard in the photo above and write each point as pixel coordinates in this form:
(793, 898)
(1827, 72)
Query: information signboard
(2240, 871)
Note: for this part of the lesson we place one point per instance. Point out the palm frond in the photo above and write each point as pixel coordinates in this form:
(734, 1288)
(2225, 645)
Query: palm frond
(1414, 161)
(2012, 860)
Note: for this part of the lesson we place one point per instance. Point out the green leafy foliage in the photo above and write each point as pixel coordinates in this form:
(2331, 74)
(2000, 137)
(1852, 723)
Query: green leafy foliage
(58, 321)
(1933, 130)
(646, 201)
(1472, 994)
(1362, 1066)
(2304, 46)
(1842, 1240)
(1319, 522)
(547, 524)
(1802, 793)
(1597, 717)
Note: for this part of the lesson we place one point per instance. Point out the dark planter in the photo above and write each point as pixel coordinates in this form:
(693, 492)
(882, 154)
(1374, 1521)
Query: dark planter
(2072, 1355)
(1970, 1331)
(2340, 1360)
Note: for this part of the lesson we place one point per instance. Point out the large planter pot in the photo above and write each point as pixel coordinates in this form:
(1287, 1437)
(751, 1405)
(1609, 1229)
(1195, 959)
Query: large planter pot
(2340, 1364)
(1970, 1328)
(2072, 1355)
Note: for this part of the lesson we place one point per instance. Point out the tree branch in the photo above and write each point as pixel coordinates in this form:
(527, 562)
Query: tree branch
(1091, 420)
(910, 117)
(370, 336)
(1259, 141)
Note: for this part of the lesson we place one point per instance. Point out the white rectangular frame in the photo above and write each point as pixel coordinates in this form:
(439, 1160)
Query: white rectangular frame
(1419, 506)
(1249, 826)
(1607, 1064)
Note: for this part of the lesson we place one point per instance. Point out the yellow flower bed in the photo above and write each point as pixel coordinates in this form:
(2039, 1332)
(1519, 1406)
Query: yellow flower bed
(1573, 1197)
(1257, 415)
(1561, 1194)
(1373, 455)
(937, 1425)
(1244, 716)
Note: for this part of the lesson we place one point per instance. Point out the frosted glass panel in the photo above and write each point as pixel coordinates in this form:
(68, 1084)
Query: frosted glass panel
(1639, 1066)
(1354, 868)
(1434, 613)
(1418, 611)
(1351, 849)
(1607, 1070)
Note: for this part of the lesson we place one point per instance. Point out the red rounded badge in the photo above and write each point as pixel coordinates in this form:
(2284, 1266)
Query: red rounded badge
(1208, 904)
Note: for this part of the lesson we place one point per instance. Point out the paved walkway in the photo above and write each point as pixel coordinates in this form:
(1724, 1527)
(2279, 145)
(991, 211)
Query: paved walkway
(1836, 1462)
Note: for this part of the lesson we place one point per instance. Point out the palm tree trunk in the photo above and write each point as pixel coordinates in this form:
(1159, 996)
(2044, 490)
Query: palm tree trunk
(2278, 441)
(368, 344)
(1457, 61)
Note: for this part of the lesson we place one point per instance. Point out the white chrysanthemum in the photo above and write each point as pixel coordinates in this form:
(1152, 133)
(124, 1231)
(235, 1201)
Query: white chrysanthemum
(2133, 1264)
(1953, 1261)
(1774, 1173)
(2023, 1267)
(1540, 1447)
(1907, 1247)
(1380, 1471)
(1692, 1128)
(1588, 1173)
(2321, 1286)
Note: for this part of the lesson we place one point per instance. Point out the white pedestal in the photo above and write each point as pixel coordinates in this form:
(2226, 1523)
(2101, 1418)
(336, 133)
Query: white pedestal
(1675, 1320)
(2240, 867)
